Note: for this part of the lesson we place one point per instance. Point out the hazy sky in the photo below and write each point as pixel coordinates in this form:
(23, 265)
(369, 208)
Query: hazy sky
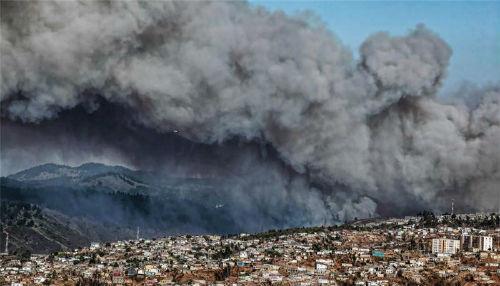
(471, 28)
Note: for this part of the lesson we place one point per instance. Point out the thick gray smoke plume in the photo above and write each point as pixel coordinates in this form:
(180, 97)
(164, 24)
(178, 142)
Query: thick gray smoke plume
(370, 131)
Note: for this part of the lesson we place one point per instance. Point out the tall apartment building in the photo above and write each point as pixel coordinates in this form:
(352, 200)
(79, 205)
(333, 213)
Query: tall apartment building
(487, 243)
(444, 245)
(481, 243)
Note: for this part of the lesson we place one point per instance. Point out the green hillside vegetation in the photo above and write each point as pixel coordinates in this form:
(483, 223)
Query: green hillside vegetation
(38, 230)
(30, 228)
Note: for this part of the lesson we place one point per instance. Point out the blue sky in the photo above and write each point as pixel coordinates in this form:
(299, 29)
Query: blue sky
(471, 28)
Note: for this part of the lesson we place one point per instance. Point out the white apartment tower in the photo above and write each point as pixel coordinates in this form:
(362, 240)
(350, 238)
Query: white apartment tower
(486, 243)
(444, 245)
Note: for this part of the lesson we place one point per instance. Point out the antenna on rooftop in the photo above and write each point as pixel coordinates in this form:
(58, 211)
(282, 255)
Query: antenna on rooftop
(452, 206)
(137, 234)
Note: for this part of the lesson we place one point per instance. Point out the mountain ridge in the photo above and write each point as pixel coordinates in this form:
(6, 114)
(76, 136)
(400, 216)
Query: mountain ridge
(120, 198)
(88, 169)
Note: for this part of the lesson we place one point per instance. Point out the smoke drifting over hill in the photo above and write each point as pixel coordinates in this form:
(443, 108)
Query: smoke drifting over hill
(241, 91)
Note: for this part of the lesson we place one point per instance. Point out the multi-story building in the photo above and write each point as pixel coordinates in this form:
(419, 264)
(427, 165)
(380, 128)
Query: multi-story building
(486, 243)
(444, 245)
(481, 243)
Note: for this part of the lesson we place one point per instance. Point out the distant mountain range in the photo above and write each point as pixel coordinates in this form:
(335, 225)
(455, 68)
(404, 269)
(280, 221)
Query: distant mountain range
(48, 172)
(100, 177)
(101, 202)
(107, 178)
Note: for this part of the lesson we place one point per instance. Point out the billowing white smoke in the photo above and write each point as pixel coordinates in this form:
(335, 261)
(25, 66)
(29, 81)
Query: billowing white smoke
(217, 70)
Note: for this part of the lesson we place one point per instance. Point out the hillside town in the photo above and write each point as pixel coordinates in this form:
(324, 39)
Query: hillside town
(419, 250)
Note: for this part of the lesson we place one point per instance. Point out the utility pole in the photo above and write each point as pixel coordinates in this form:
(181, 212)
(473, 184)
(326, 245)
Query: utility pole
(4, 227)
(6, 240)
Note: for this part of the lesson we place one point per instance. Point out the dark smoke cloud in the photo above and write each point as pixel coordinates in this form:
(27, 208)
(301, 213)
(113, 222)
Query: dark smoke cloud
(367, 133)
(257, 187)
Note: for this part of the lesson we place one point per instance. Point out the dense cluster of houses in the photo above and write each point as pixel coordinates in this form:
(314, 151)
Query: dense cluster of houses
(396, 252)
